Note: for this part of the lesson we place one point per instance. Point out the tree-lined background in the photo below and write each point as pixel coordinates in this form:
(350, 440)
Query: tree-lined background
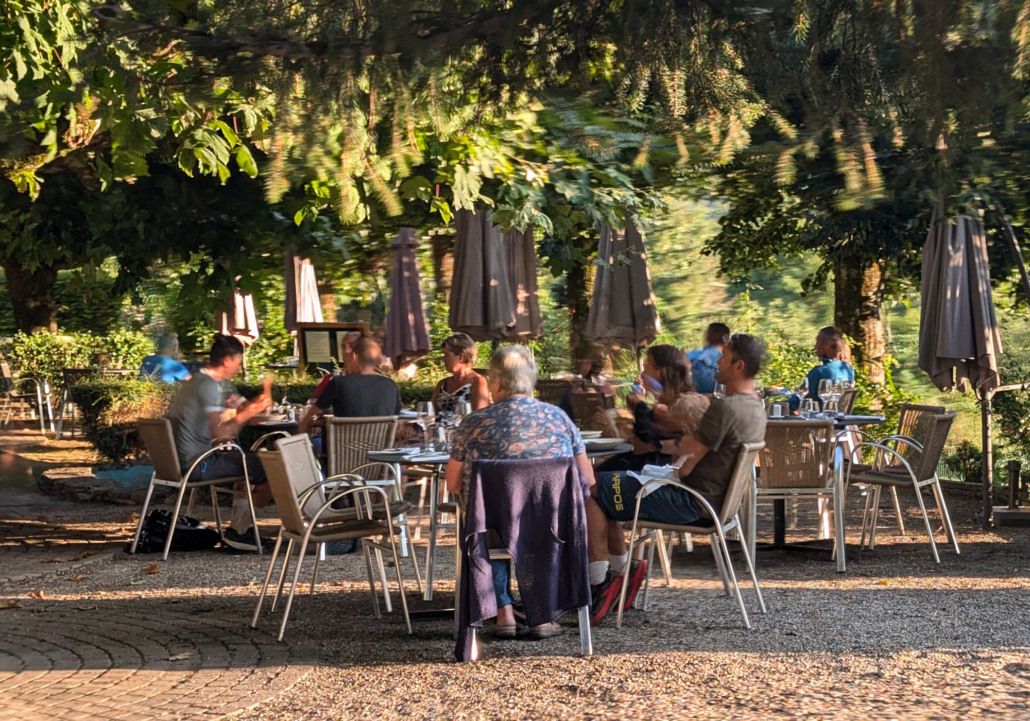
(783, 157)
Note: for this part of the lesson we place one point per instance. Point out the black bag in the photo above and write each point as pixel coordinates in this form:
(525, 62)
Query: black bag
(190, 534)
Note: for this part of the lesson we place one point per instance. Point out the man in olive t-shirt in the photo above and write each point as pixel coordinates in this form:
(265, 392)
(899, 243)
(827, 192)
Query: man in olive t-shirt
(709, 456)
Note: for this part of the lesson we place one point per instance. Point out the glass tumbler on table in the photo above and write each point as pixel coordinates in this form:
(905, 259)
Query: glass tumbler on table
(826, 392)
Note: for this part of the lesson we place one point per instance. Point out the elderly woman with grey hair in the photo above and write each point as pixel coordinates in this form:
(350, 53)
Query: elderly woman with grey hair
(516, 426)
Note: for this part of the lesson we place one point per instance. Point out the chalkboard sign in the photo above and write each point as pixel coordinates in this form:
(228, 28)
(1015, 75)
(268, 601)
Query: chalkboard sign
(319, 343)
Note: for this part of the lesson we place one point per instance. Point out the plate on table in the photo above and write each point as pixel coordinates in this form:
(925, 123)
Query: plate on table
(602, 444)
(405, 451)
(408, 415)
(589, 434)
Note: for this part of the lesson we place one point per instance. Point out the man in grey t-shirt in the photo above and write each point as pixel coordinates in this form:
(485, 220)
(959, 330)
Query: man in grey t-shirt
(197, 416)
(709, 456)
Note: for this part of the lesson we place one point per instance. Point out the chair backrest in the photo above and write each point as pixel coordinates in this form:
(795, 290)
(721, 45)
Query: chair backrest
(796, 454)
(157, 436)
(740, 481)
(915, 423)
(350, 439)
(8, 378)
(937, 429)
(846, 404)
(302, 469)
(277, 470)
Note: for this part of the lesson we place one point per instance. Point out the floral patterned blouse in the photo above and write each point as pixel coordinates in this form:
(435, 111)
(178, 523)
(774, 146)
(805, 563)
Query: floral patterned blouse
(515, 427)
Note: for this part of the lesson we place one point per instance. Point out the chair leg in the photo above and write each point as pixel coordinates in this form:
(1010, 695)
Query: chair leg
(642, 601)
(586, 641)
(268, 577)
(282, 575)
(838, 527)
(878, 491)
(400, 580)
(751, 569)
(382, 580)
(414, 563)
(663, 556)
(421, 507)
(142, 516)
(926, 520)
(720, 564)
(371, 580)
(457, 583)
(189, 504)
(293, 588)
(314, 573)
(253, 519)
(897, 510)
(865, 517)
(218, 512)
(625, 576)
(175, 517)
(724, 549)
(945, 516)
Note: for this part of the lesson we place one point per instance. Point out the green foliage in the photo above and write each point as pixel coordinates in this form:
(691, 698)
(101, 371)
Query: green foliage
(964, 462)
(109, 411)
(43, 355)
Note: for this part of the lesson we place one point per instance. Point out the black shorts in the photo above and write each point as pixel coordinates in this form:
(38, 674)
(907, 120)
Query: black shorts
(617, 496)
(229, 464)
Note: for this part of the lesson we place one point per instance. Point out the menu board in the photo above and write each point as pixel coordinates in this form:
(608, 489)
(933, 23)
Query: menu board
(321, 343)
(316, 343)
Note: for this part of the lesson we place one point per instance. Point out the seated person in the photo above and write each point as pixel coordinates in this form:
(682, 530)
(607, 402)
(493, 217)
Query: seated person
(834, 356)
(163, 366)
(463, 385)
(667, 376)
(362, 393)
(708, 456)
(515, 426)
(199, 417)
(704, 362)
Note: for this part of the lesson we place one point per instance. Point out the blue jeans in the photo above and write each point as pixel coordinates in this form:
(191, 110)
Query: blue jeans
(502, 582)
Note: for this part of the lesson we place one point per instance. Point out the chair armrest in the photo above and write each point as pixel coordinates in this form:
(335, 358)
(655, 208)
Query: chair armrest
(881, 449)
(848, 431)
(220, 447)
(679, 484)
(393, 470)
(361, 489)
(898, 439)
(257, 444)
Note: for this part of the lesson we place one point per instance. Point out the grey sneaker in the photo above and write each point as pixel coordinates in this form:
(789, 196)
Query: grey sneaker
(243, 541)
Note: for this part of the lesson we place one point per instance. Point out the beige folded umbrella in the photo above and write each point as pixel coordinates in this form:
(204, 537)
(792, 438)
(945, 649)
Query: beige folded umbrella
(407, 332)
(959, 340)
(303, 304)
(242, 323)
(623, 313)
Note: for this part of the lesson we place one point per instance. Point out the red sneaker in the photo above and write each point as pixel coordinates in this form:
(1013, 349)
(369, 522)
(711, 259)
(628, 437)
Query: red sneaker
(637, 574)
(606, 596)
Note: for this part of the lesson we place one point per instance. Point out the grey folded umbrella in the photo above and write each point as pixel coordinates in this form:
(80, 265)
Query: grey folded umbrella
(959, 339)
(623, 313)
(521, 263)
(482, 301)
(407, 333)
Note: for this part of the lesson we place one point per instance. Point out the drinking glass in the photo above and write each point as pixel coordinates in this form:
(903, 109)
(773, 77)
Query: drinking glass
(720, 390)
(425, 411)
(826, 392)
(801, 389)
(809, 408)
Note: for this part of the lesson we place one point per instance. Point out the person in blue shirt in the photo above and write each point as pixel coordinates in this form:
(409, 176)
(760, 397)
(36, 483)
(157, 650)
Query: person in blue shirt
(834, 355)
(704, 362)
(162, 366)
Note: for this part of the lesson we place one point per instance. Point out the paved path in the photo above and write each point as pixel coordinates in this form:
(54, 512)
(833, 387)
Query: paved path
(84, 661)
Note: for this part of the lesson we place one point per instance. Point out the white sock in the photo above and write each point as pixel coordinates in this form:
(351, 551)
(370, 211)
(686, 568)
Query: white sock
(598, 572)
(619, 563)
(240, 515)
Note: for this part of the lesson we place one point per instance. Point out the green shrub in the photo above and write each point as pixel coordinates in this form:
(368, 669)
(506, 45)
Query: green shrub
(109, 410)
(43, 355)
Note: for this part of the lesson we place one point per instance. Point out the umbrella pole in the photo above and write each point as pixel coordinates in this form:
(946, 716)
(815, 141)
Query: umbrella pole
(640, 360)
(987, 457)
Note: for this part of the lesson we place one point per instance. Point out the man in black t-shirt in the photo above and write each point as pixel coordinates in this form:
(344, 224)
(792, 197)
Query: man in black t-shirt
(362, 393)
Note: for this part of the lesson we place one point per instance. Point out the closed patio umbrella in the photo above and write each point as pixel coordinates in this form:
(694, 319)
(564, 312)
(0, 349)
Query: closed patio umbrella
(302, 301)
(482, 302)
(242, 321)
(958, 332)
(959, 339)
(521, 251)
(407, 333)
(623, 313)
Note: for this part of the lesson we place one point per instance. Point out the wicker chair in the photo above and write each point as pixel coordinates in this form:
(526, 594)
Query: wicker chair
(726, 520)
(846, 404)
(156, 434)
(892, 469)
(913, 425)
(300, 530)
(796, 463)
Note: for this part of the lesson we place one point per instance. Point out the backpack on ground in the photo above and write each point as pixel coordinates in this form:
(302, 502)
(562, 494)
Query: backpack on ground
(190, 534)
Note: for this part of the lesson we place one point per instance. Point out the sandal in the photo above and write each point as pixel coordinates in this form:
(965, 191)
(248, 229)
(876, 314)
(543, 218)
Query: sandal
(548, 630)
(499, 631)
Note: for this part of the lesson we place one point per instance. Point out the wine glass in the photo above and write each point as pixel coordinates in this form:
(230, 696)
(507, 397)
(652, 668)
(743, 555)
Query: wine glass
(801, 389)
(809, 408)
(720, 391)
(826, 392)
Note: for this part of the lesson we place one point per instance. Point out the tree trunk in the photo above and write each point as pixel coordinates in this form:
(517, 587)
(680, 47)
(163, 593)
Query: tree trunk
(443, 266)
(578, 282)
(857, 312)
(32, 296)
(327, 299)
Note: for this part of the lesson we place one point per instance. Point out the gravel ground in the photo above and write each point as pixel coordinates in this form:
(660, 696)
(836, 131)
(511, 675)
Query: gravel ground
(897, 636)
